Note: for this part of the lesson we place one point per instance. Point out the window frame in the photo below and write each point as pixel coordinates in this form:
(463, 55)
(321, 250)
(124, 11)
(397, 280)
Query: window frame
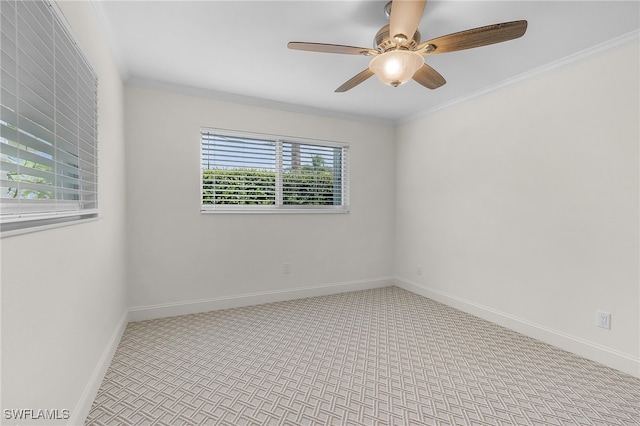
(76, 177)
(278, 206)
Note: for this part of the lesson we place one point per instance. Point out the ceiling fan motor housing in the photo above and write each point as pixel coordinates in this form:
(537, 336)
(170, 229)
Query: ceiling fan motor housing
(383, 41)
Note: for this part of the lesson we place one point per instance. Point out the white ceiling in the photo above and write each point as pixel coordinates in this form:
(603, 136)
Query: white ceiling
(238, 49)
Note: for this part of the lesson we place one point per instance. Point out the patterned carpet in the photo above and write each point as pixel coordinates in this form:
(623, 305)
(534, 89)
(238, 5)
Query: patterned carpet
(374, 357)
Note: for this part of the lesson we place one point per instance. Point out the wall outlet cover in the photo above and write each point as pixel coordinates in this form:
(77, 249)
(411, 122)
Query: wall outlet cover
(603, 320)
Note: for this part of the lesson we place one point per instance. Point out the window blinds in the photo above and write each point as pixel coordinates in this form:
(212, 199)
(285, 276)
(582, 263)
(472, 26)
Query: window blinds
(259, 172)
(238, 171)
(312, 174)
(48, 121)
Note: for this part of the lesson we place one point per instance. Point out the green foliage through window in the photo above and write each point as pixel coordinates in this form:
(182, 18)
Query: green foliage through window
(243, 170)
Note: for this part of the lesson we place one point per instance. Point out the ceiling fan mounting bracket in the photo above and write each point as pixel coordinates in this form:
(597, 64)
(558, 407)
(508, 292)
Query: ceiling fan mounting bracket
(387, 10)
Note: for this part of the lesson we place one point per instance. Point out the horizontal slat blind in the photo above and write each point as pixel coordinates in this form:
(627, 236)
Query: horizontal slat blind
(262, 172)
(238, 170)
(48, 121)
(311, 175)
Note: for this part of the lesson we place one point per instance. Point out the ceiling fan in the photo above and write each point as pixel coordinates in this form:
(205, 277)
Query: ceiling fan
(398, 53)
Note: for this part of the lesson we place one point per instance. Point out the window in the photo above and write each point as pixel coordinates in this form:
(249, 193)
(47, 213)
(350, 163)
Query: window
(250, 172)
(48, 121)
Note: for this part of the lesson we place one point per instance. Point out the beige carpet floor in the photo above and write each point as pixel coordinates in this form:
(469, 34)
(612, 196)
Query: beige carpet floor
(374, 357)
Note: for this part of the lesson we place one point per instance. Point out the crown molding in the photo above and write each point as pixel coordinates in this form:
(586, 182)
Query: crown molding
(110, 39)
(144, 83)
(601, 49)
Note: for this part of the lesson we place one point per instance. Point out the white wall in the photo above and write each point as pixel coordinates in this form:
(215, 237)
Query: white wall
(63, 290)
(521, 206)
(178, 255)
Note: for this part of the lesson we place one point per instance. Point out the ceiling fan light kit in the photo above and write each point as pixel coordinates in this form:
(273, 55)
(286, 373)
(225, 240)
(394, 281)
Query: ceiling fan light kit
(398, 58)
(396, 66)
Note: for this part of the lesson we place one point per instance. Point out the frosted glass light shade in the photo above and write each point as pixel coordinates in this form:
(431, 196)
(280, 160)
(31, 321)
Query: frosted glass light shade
(396, 67)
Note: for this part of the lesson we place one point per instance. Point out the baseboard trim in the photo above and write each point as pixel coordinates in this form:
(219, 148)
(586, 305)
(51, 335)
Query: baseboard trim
(141, 313)
(590, 350)
(81, 411)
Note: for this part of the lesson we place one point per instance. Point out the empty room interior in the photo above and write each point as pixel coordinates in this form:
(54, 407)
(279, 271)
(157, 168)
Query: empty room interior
(257, 227)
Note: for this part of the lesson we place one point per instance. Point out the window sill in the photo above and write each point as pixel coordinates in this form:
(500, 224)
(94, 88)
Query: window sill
(240, 210)
(10, 230)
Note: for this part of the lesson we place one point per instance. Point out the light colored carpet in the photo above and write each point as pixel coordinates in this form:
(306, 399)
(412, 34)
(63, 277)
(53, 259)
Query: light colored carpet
(375, 357)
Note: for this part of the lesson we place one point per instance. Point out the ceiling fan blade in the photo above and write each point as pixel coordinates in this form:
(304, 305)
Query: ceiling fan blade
(331, 48)
(475, 37)
(405, 18)
(355, 80)
(429, 77)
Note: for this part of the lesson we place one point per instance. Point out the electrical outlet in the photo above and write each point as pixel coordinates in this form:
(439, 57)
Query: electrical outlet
(603, 320)
(419, 270)
(286, 268)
